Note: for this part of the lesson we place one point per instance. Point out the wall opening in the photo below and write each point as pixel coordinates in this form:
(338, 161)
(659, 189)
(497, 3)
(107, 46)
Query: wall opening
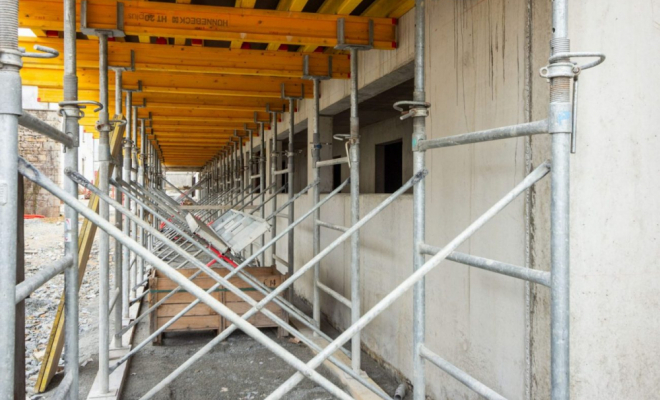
(336, 174)
(389, 166)
(385, 142)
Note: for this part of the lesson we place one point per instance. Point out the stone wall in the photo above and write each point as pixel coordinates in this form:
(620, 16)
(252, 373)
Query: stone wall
(45, 154)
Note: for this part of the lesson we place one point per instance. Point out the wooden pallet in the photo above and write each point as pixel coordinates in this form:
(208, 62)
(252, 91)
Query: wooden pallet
(202, 317)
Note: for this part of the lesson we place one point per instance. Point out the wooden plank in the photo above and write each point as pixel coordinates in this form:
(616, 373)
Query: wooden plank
(85, 242)
(19, 351)
(170, 310)
(196, 323)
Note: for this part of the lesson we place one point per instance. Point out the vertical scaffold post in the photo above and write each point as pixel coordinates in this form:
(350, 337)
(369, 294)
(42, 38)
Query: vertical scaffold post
(241, 168)
(116, 173)
(316, 190)
(273, 167)
(141, 181)
(560, 118)
(72, 129)
(249, 168)
(419, 205)
(262, 175)
(104, 211)
(136, 232)
(10, 110)
(126, 177)
(354, 164)
(291, 213)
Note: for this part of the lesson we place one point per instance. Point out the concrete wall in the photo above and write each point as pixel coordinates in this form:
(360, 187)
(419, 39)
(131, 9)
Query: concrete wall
(615, 282)
(482, 72)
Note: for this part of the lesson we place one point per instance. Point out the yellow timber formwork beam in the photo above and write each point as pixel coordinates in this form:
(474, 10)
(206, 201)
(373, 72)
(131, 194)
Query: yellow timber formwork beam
(171, 101)
(184, 113)
(180, 40)
(378, 9)
(389, 8)
(190, 59)
(193, 84)
(191, 130)
(334, 7)
(287, 5)
(236, 44)
(214, 23)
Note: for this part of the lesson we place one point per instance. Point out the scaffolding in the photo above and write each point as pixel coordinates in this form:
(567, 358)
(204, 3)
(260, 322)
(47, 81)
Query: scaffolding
(229, 220)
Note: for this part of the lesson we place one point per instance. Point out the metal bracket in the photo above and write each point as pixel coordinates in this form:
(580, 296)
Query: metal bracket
(302, 94)
(138, 90)
(118, 32)
(341, 37)
(77, 105)
(121, 122)
(256, 119)
(15, 57)
(306, 74)
(130, 68)
(144, 101)
(570, 69)
(415, 109)
(46, 52)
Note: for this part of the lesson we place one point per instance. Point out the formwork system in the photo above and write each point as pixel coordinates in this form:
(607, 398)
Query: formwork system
(204, 123)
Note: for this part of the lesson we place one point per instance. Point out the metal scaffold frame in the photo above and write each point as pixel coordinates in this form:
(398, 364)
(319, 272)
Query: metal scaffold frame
(560, 124)
(153, 230)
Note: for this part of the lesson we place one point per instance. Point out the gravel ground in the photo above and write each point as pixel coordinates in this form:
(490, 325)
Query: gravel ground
(43, 245)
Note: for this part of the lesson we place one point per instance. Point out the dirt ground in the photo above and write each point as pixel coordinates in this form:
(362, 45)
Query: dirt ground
(239, 368)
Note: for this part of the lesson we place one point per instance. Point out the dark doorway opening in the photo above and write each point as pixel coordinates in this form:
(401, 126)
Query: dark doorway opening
(389, 166)
(336, 174)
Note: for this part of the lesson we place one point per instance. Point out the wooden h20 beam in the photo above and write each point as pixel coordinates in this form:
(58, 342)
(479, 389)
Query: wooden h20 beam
(190, 59)
(215, 23)
(193, 84)
(172, 100)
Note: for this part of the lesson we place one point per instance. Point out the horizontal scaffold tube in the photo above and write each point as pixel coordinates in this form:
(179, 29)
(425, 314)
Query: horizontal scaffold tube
(528, 274)
(460, 375)
(36, 125)
(334, 161)
(409, 282)
(33, 174)
(343, 300)
(25, 288)
(506, 132)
